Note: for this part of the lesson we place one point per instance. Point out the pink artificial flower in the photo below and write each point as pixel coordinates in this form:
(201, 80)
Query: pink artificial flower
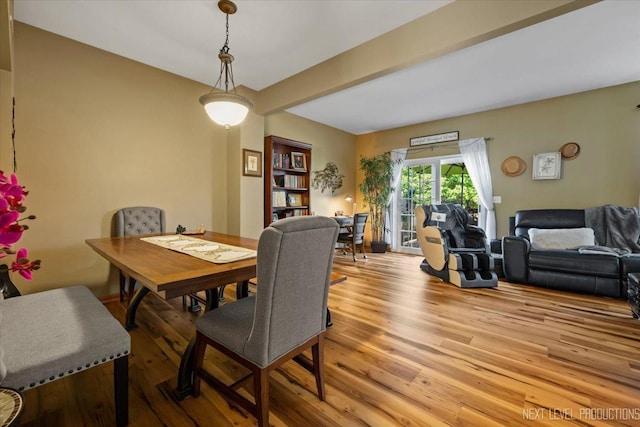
(11, 190)
(11, 233)
(11, 196)
(23, 266)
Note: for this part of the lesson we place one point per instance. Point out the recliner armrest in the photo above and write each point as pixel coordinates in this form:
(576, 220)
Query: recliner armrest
(515, 258)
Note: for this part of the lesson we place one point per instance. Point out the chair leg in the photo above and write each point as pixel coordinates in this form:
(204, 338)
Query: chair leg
(353, 251)
(363, 251)
(198, 361)
(317, 352)
(261, 391)
(121, 388)
(122, 287)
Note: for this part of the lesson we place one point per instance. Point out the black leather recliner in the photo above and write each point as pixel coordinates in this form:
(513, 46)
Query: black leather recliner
(454, 251)
(563, 269)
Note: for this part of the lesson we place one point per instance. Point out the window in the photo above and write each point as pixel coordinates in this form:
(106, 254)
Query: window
(430, 181)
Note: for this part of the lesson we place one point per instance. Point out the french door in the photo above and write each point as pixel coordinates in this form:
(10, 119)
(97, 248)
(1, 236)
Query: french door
(429, 181)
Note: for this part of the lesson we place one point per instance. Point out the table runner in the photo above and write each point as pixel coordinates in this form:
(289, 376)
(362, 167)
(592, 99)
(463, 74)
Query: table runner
(206, 250)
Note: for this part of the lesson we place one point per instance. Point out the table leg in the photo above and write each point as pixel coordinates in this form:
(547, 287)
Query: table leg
(193, 307)
(130, 319)
(242, 289)
(185, 373)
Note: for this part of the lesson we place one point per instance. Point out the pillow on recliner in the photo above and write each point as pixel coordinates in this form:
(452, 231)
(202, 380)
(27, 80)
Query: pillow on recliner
(560, 238)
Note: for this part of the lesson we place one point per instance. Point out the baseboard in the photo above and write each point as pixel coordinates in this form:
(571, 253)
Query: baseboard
(110, 298)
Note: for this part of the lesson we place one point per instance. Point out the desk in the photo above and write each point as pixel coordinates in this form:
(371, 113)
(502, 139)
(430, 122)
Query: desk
(170, 274)
(344, 221)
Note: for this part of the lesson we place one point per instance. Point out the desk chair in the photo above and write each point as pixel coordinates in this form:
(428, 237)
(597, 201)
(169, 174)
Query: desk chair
(137, 220)
(285, 317)
(52, 334)
(356, 235)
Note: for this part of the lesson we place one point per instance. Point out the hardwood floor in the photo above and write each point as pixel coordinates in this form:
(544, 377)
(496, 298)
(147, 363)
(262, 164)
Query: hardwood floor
(405, 350)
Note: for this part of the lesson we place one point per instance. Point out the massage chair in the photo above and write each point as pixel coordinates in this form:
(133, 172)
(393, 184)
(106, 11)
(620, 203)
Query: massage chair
(454, 251)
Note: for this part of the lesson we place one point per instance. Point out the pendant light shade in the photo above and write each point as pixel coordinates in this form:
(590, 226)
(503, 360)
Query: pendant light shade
(224, 107)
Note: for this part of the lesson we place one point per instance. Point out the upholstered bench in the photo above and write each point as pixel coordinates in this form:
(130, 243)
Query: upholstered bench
(48, 335)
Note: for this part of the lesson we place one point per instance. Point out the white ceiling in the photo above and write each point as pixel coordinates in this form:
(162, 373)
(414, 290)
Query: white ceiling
(596, 46)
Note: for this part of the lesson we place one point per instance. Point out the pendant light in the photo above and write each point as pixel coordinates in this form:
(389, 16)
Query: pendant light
(226, 108)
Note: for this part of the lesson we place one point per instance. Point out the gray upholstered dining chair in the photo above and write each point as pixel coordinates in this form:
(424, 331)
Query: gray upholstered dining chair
(355, 236)
(134, 221)
(285, 317)
(137, 220)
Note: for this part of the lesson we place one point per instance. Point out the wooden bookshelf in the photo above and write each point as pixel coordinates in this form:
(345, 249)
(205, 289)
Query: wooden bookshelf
(287, 165)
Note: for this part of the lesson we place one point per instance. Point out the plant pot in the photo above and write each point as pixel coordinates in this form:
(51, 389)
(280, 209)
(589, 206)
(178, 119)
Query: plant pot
(379, 247)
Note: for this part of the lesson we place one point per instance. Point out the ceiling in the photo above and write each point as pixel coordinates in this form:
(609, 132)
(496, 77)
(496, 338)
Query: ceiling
(593, 47)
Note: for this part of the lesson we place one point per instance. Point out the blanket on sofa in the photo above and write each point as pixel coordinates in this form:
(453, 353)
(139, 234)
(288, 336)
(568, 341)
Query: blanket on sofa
(615, 227)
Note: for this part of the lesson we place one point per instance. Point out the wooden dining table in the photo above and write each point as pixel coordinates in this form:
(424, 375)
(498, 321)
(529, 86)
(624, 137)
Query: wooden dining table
(170, 274)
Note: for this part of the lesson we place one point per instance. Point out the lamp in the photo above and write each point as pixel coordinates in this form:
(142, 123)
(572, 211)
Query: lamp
(348, 198)
(226, 108)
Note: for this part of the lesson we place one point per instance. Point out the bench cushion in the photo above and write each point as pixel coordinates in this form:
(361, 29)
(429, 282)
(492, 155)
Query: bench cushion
(50, 334)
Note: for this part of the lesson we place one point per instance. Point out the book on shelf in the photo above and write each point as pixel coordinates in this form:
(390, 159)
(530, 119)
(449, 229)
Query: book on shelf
(294, 181)
(279, 199)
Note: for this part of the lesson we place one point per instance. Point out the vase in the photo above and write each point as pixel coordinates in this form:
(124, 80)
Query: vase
(7, 287)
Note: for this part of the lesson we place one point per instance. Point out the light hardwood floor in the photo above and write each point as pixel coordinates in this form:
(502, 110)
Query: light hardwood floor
(405, 350)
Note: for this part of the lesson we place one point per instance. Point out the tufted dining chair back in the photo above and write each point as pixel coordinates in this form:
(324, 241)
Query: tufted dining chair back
(139, 220)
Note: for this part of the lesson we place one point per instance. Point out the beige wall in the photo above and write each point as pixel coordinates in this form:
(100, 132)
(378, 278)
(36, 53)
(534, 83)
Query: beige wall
(6, 93)
(97, 132)
(329, 145)
(605, 122)
(251, 190)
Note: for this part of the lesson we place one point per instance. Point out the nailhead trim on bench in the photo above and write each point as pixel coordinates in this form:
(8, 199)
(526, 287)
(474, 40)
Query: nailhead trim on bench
(71, 371)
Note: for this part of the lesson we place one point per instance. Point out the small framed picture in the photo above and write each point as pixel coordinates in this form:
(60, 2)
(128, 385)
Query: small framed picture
(298, 161)
(251, 163)
(295, 200)
(547, 165)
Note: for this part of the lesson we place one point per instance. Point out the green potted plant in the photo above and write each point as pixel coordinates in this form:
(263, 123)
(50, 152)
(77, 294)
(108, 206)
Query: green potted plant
(376, 190)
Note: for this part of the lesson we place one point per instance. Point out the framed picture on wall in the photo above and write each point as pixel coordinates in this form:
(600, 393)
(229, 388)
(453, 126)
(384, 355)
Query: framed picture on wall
(251, 163)
(547, 165)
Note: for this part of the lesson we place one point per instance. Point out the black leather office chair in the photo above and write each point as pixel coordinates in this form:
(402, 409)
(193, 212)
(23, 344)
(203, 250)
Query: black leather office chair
(356, 235)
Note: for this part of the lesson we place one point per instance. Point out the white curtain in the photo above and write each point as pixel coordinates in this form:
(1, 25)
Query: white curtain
(474, 155)
(397, 157)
